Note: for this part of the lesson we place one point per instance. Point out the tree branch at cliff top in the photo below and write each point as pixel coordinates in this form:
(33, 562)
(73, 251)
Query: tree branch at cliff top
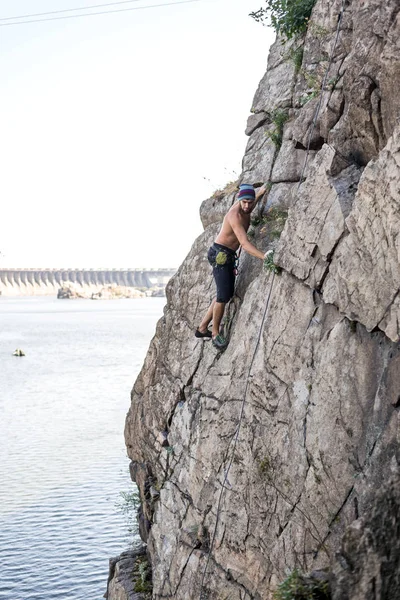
(288, 17)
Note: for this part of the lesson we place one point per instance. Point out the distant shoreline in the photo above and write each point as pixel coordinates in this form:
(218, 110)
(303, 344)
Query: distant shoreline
(84, 283)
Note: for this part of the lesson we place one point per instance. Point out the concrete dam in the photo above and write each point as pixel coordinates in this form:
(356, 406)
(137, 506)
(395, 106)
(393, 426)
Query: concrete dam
(37, 282)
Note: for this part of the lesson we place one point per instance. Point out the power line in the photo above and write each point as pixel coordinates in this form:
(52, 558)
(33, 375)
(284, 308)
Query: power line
(55, 12)
(104, 12)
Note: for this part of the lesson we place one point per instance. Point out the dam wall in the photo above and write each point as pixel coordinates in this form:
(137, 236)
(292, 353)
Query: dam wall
(41, 282)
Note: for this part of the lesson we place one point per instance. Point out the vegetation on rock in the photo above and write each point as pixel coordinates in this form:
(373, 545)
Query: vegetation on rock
(128, 506)
(288, 17)
(295, 55)
(230, 188)
(142, 576)
(278, 118)
(269, 264)
(299, 587)
(270, 225)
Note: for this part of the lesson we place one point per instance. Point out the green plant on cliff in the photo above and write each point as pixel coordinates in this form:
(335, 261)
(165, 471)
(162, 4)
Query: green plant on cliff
(313, 81)
(299, 587)
(142, 577)
(128, 505)
(129, 502)
(278, 118)
(307, 97)
(288, 17)
(276, 215)
(318, 31)
(266, 467)
(274, 220)
(269, 225)
(295, 55)
(269, 264)
(229, 188)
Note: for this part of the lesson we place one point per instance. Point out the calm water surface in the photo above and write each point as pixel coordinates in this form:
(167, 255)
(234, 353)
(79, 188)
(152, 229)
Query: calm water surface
(62, 456)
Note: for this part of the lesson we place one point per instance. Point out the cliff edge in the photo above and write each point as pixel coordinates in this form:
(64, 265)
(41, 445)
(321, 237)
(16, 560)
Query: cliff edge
(319, 394)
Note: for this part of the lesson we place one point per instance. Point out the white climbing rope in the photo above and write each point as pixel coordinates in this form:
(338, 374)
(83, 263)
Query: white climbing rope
(236, 434)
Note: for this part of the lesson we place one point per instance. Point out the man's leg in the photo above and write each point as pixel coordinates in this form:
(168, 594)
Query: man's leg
(225, 281)
(207, 318)
(218, 313)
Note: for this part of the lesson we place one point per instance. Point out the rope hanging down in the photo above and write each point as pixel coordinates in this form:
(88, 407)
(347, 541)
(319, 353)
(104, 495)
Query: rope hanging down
(236, 434)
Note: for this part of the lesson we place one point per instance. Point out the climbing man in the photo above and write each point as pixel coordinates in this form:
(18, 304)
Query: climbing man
(222, 257)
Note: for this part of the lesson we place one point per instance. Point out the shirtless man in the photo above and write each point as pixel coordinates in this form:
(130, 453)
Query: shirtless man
(222, 255)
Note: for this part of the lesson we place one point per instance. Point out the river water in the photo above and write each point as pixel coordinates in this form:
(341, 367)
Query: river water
(63, 462)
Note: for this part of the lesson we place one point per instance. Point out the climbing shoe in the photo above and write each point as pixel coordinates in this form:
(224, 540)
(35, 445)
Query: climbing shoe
(219, 342)
(200, 334)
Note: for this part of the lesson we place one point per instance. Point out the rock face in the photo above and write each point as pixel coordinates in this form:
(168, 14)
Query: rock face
(255, 461)
(127, 576)
(368, 564)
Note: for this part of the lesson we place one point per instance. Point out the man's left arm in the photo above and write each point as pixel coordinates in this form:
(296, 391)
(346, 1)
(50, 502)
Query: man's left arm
(261, 191)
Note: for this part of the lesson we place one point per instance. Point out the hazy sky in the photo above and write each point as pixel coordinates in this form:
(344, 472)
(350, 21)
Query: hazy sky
(115, 127)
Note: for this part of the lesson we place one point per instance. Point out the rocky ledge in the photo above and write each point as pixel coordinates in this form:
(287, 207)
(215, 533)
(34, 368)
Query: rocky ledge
(129, 576)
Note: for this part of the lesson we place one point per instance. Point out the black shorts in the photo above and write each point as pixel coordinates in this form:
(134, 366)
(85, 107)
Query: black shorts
(222, 259)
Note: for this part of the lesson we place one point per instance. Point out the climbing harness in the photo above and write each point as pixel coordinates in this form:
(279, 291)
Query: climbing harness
(237, 431)
(236, 264)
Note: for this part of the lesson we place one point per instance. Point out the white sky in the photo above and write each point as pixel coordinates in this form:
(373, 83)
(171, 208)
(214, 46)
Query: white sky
(114, 128)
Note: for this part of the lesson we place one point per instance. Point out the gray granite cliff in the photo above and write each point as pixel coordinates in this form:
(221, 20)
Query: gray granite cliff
(320, 427)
